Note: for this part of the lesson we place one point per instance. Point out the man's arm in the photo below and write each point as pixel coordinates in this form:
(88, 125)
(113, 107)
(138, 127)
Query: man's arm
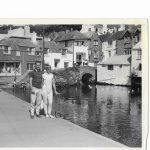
(30, 82)
(30, 79)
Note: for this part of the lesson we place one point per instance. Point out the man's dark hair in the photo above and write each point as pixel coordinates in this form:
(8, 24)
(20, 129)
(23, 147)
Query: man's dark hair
(37, 61)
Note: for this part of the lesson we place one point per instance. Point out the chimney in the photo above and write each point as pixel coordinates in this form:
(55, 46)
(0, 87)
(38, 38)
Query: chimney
(122, 27)
(33, 38)
(67, 31)
(26, 31)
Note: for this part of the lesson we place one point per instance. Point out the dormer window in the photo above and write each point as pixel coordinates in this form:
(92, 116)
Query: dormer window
(109, 43)
(6, 49)
(31, 51)
(80, 43)
(64, 51)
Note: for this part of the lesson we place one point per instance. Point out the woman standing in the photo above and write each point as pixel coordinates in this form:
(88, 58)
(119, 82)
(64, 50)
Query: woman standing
(48, 87)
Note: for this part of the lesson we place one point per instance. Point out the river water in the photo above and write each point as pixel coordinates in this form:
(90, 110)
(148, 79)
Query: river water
(112, 111)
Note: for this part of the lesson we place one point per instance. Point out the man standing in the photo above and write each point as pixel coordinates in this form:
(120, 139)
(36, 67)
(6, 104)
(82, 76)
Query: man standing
(36, 89)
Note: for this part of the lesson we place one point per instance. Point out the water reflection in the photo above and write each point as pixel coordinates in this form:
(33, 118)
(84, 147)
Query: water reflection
(112, 111)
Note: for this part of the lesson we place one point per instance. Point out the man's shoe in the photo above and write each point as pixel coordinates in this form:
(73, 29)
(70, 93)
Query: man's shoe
(38, 115)
(47, 116)
(31, 116)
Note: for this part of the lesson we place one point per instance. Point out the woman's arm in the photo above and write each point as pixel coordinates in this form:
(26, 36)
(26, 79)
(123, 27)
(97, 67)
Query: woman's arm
(54, 86)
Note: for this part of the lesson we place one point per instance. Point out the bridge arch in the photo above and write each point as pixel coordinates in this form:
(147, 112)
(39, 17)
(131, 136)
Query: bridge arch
(87, 73)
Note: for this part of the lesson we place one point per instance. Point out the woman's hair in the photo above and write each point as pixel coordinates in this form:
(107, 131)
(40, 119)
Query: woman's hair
(47, 67)
(37, 61)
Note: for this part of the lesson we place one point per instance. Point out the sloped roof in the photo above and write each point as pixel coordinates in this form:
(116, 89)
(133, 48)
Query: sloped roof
(52, 46)
(104, 37)
(15, 42)
(57, 35)
(93, 35)
(118, 60)
(74, 35)
(137, 45)
(133, 28)
(113, 36)
(16, 32)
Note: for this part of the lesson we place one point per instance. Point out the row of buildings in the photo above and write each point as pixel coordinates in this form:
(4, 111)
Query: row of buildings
(107, 47)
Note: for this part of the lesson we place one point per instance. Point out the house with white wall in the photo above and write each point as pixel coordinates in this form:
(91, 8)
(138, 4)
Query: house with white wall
(77, 43)
(116, 70)
(55, 56)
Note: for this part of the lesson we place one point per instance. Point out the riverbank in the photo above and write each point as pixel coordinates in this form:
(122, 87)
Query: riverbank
(18, 130)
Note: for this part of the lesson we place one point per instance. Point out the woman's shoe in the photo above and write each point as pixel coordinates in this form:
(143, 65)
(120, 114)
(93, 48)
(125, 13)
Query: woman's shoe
(47, 116)
(51, 116)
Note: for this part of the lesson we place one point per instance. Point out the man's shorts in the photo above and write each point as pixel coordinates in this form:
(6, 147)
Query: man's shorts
(36, 90)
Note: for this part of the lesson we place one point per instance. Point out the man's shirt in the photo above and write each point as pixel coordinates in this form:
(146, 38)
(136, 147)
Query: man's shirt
(36, 76)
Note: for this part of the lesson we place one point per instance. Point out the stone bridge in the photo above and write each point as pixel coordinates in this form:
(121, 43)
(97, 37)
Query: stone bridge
(86, 73)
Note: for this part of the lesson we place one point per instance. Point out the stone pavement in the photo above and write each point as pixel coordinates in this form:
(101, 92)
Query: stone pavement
(18, 130)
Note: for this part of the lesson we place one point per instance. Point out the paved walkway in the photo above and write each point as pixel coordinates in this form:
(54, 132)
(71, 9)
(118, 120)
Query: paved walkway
(18, 130)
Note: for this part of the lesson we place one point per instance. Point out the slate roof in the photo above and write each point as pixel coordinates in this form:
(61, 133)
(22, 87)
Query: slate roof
(118, 60)
(104, 37)
(113, 36)
(74, 35)
(52, 46)
(15, 42)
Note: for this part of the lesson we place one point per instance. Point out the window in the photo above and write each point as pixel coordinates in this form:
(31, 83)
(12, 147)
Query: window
(140, 67)
(6, 49)
(66, 43)
(30, 66)
(96, 54)
(110, 43)
(1, 47)
(56, 62)
(31, 51)
(46, 50)
(89, 57)
(64, 52)
(79, 43)
(17, 53)
(95, 42)
(109, 53)
(103, 65)
(137, 38)
(127, 51)
(139, 54)
(110, 67)
(38, 53)
(66, 64)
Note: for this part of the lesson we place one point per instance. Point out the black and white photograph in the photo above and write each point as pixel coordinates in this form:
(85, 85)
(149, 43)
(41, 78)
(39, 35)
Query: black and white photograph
(71, 85)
